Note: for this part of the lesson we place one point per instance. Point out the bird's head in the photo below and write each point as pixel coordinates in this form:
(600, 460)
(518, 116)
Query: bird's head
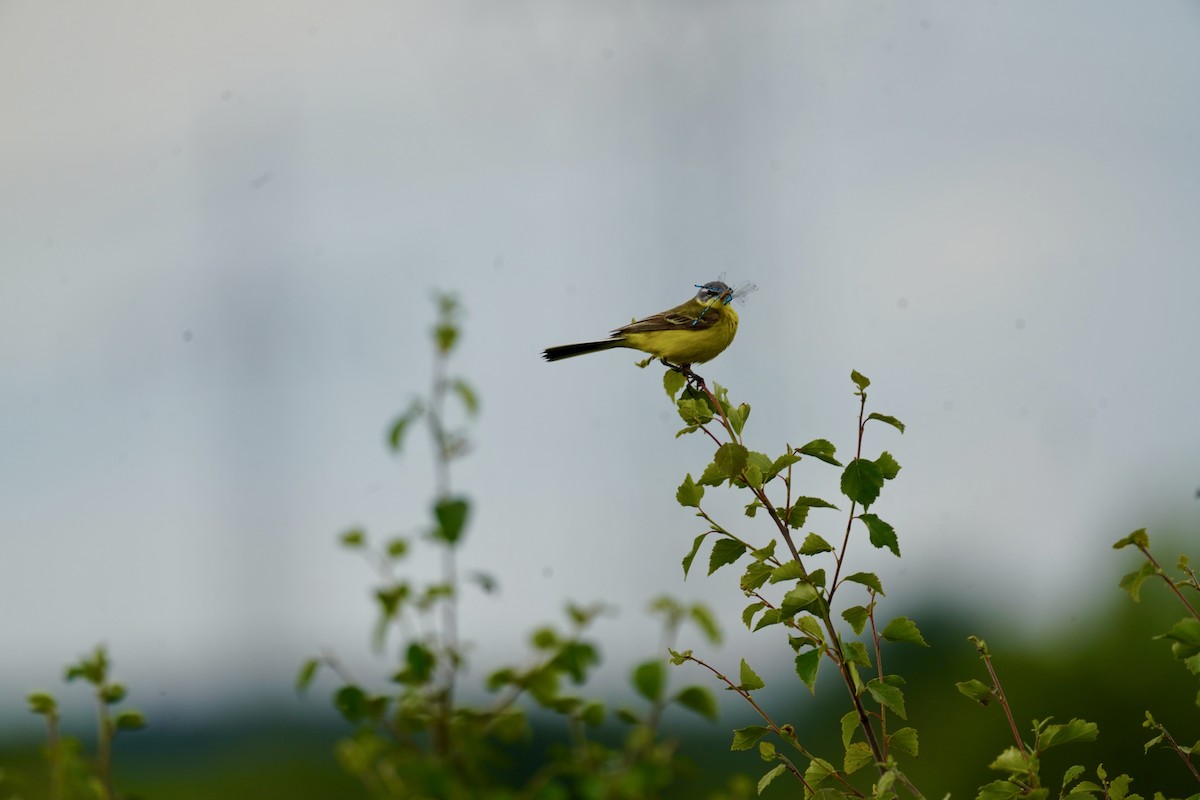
(713, 292)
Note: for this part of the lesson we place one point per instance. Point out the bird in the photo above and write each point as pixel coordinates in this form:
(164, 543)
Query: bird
(690, 333)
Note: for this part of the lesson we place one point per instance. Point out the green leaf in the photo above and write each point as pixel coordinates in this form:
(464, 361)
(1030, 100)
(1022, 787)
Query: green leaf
(1185, 637)
(712, 476)
(731, 459)
(129, 720)
(308, 671)
(887, 465)
(1012, 760)
(799, 598)
(355, 537)
(694, 410)
(905, 739)
(738, 416)
(396, 547)
(858, 755)
(351, 703)
(467, 395)
(750, 679)
(882, 534)
(814, 544)
(725, 551)
(787, 571)
(749, 612)
(42, 703)
(1132, 582)
(754, 476)
(1071, 774)
(903, 629)
(401, 423)
(756, 575)
(650, 679)
(887, 695)
(798, 513)
(705, 621)
(999, 790)
(689, 494)
(592, 714)
(772, 616)
(782, 463)
(895, 423)
(862, 481)
(700, 700)
(860, 380)
(673, 382)
(978, 691)
(451, 514)
(856, 653)
(1077, 730)
(857, 617)
(867, 579)
(1138, 538)
(849, 726)
(691, 556)
(745, 738)
(821, 449)
(419, 662)
(769, 776)
(807, 664)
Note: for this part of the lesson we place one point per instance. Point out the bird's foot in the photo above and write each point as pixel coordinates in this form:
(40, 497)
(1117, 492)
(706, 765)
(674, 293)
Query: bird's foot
(694, 380)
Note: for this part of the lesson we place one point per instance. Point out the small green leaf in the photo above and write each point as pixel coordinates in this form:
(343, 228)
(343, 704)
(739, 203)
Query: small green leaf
(860, 380)
(867, 579)
(754, 476)
(882, 534)
(129, 720)
(782, 463)
(691, 556)
(757, 573)
(903, 629)
(745, 738)
(731, 459)
(700, 700)
(905, 739)
(850, 724)
(858, 755)
(787, 571)
(895, 423)
(713, 475)
(799, 598)
(821, 449)
(796, 516)
(673, 382)
(351, 703)
(650, 679)
(857, 617)
(887, 465)
(725, 551)
(1077, 730)
(1138, 538)
(814, 544)
(592, 714)
(355, 537)
(738, 416)
(807, 664)
(862, 481)
(772, 616)
(689, 494)
(999, 790)
(706, 622)
(749, 612)
(1133, 581)
(308, 671)
(750, 679)
(1012, 760)
(978, 691)
(770, 775)
(1071, 774)
(856, 653)
(401, 423)
(1185, 637)
(466, 395)
(42, 703)
(887, 695)
(451, 514)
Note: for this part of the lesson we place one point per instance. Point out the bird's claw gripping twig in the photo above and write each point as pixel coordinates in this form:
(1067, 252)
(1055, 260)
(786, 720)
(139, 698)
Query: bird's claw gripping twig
(686, 371)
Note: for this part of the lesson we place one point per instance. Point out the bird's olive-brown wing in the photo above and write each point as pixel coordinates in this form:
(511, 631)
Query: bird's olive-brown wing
(688, 315)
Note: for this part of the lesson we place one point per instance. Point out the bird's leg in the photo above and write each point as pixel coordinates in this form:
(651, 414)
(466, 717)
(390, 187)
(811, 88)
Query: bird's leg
(686, 370)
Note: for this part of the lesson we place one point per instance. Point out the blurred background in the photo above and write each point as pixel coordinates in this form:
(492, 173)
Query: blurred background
(221, 224)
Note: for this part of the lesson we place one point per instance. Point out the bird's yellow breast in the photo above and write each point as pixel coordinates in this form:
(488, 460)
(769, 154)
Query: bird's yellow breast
(688, 345)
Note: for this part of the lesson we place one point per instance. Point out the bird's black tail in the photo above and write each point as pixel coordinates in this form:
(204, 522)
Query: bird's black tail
(571, 350)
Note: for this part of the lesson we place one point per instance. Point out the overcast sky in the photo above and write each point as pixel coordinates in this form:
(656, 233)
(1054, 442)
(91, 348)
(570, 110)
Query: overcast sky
(220, 224)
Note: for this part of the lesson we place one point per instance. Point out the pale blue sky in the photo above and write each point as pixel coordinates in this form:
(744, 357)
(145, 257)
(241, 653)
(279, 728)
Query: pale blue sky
(220, 224)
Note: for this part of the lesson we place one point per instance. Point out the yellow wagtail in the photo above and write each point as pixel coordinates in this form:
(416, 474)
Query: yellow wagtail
(691, 333)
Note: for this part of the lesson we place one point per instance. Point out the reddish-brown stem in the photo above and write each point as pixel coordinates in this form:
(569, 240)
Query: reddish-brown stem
(1167, 578)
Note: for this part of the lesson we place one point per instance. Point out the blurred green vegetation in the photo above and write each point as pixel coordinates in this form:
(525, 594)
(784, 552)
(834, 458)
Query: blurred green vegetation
(1105, 668)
